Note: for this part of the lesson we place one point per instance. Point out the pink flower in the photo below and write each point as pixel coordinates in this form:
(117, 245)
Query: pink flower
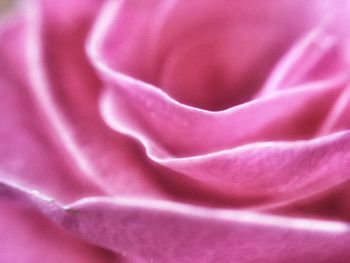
(175, 131)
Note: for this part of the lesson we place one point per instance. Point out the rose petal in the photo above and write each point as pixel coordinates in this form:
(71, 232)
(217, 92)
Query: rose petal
(320, 55)
(29, 152)
(166, 232)
(260, 169)
(140, 110)
(216, 42)
(67, 90)
(133, 108)
(332, 203)
(338, 119)
(156, 231)
(277, 169)
(44, 155)
(143, 111)
(28, 236)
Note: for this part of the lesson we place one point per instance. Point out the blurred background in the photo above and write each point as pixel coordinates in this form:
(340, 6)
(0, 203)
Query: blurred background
(5, 5)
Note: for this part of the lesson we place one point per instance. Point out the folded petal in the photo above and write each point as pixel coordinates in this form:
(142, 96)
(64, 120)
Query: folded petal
(205, 54)
(331, 203)
(159, 231)
(168, 129)
(29, 152)
(67, 89)
(28, 236)
(139, 109)
(280, 170)
(46, 147)
(321, 54)
(167, 232)
(173, 134)
(338, 118)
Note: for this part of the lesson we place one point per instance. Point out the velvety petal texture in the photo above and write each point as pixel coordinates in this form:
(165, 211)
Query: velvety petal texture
(28, 236)
(66, 87)
(175, 131)
(293, 105)
(30, 153)
(207, 59)
(159, 231)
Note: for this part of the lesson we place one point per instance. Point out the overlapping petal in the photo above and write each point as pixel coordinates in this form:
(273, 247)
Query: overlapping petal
(28, 236)
(207, 150)
(338, 118)
(159, 231)
(67, 89)
(207, 59)
(73, 130)
(29, 151)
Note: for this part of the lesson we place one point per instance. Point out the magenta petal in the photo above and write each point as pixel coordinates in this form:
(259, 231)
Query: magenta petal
(216, 42)
(159, 231)
(28, 236)
(66, 141)
(274, 169)
(29, 152)
(294, 114)
(200, 143)
(332, 203)
(338, 118)
(142, 110)
(66, 90)
(168, 232)
(318, 56)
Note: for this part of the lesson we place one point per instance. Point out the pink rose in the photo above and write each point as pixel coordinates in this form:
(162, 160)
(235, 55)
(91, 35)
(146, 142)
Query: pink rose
(175, 131)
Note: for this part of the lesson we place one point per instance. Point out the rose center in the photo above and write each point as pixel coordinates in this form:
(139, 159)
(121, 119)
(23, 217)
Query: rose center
(215, 71)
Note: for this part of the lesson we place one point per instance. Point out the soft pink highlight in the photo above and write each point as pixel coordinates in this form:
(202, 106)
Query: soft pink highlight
(175, 131)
